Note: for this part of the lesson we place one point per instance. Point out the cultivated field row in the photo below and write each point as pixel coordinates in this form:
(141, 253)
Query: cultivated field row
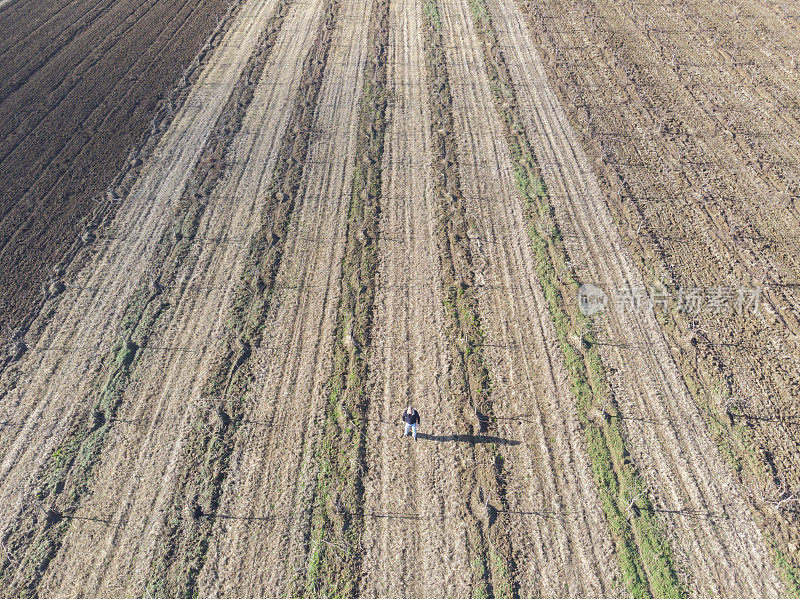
(392, 195)
(697, 153)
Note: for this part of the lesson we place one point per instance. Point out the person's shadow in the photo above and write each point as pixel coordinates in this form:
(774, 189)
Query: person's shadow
(471, 439)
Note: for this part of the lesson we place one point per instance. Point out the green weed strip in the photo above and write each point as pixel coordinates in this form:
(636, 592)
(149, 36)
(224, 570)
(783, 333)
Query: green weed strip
(334, 562)
(205, 463)
(470, 379)
(68, 474)
(645, 558)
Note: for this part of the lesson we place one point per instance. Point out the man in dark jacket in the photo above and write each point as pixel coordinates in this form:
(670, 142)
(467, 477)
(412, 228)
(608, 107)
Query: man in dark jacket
(412, 421)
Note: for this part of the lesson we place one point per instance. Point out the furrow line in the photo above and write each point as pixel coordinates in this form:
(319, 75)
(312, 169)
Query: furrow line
(469, 378)
(272, 467)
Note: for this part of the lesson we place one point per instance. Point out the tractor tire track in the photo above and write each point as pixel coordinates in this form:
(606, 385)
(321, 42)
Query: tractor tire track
(413, 502)
(263, 520)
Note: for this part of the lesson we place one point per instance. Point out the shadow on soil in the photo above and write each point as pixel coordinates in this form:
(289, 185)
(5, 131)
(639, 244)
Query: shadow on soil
(413, 516)
(472, 439)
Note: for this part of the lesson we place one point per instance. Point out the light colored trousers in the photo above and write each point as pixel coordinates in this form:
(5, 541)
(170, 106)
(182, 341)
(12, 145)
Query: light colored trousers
(413, 428)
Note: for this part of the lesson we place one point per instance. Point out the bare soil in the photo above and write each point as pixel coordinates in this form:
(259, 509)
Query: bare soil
(79, 85)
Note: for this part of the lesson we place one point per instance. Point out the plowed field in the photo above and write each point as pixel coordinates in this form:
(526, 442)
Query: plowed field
(275, 224)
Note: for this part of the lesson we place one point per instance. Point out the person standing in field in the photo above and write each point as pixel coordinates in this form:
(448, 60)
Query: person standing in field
(412, 421)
